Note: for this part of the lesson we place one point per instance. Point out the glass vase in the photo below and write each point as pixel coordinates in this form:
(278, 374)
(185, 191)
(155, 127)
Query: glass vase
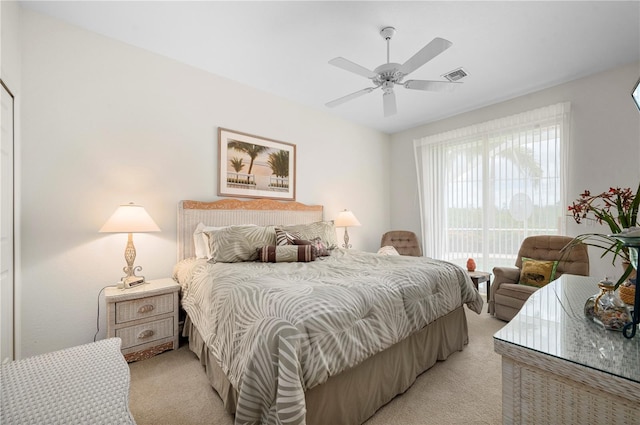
(606, 309)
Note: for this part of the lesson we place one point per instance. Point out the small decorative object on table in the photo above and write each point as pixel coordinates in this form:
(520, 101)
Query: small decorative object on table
(606, 308)
(627, 291)
(471, 265)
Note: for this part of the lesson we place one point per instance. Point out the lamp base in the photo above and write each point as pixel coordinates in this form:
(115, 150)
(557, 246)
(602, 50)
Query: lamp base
(130, 279)
(346, 244)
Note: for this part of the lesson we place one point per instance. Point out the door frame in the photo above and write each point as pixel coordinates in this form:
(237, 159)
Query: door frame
(12, 243)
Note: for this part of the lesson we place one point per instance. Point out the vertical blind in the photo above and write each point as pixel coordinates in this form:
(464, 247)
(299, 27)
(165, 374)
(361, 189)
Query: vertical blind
(485, 187)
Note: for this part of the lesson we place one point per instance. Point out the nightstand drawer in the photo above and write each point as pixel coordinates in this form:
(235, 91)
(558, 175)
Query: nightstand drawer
(146, 332)
(127, 311)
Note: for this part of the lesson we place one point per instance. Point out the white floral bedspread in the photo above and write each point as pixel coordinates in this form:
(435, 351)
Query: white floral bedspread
(278, 329)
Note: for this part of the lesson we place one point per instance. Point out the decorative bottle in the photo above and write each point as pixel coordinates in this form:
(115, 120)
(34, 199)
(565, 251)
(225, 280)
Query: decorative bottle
(605, 308)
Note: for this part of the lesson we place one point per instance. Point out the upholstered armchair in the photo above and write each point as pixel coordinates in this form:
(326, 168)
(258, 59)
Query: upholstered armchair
(404, 241)
(508, 296)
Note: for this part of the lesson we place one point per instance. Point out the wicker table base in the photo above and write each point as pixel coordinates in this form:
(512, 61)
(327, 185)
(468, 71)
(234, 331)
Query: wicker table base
(558, 367)
(540, 389)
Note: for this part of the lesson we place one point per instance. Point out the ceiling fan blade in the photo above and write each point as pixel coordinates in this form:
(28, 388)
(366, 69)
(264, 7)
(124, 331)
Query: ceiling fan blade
(430, 85)
(347, 65)
(428, 52)
(348, 97)
(389, 103)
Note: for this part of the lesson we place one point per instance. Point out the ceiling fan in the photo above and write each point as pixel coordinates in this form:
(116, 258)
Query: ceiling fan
(386, 76)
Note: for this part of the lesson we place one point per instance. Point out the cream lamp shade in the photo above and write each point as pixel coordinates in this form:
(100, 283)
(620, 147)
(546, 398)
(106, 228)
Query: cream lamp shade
(130, 218)
(346, 219)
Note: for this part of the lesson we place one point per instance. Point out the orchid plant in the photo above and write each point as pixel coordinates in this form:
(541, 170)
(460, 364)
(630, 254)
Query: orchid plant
(618, 208)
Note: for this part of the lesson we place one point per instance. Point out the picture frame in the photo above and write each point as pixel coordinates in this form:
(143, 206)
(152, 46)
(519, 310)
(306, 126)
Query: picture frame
(251, 166)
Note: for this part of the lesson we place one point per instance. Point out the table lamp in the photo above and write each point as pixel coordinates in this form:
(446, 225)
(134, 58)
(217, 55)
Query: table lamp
(346, 219)
(130, 218)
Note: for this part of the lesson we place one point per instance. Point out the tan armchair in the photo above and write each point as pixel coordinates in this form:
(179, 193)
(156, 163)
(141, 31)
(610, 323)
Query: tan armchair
(404, 241)
(507, 296)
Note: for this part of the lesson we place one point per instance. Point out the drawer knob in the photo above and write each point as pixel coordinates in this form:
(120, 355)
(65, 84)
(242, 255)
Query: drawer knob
(145, 308)
(145, 334)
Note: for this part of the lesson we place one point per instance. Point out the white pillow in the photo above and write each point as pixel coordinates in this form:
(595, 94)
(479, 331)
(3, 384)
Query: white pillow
(388, 250)
(201, 242)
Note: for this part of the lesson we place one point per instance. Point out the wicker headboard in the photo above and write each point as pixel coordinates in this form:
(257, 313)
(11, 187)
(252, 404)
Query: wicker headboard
(226, 212)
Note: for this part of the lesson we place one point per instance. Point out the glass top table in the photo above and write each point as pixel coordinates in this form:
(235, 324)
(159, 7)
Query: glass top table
(552, 322)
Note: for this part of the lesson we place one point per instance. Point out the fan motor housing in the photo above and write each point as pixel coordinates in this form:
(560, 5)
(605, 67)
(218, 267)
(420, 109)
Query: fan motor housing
(388, 72)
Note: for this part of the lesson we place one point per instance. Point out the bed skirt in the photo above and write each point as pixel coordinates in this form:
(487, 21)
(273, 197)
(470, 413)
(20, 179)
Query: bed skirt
(353, 396)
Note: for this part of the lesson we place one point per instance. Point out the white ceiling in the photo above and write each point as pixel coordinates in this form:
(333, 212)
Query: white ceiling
(508, 48)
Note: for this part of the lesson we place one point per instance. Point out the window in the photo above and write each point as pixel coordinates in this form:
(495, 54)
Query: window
(486, 187)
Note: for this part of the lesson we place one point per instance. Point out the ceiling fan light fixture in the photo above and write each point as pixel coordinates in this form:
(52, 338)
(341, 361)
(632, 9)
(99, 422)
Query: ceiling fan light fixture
(456, 74)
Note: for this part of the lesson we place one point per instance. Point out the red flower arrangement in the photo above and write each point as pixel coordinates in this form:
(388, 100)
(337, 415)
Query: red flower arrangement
(623, 200)
(618, 208)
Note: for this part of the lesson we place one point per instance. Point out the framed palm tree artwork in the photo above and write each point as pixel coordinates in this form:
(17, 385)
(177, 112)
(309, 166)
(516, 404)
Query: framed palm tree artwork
(251, 166)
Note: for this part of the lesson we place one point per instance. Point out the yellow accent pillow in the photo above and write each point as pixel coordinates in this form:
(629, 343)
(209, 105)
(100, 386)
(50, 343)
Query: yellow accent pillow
(537, 272)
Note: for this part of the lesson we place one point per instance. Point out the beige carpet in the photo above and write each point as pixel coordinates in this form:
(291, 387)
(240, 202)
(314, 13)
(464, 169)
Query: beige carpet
(172, 388)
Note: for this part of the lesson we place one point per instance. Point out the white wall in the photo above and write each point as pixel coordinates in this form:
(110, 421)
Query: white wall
(10, 48)
(605, 151)
(105, 123)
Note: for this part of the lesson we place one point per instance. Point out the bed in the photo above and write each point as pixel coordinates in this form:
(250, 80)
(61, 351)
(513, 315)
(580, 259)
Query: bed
(324, 336)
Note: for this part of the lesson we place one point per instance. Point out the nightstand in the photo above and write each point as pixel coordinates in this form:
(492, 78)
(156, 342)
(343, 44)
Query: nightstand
(144, 317)
(479, 277)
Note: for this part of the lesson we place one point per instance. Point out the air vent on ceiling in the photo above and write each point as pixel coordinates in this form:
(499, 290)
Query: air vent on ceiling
(456, 74)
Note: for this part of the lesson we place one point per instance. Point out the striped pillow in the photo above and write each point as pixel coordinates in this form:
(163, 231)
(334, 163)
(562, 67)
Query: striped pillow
(284, 237)
(287, 253)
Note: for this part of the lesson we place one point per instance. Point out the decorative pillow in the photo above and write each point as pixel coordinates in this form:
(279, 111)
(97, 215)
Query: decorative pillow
(287, 253)
(325, 230)
(301, 242)
(388, 250)
(284, 237)
(537, 272)
(321, 248)
(233, 244)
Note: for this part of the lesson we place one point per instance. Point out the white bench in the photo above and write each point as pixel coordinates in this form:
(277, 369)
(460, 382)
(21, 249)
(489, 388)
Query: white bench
(87, 384)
